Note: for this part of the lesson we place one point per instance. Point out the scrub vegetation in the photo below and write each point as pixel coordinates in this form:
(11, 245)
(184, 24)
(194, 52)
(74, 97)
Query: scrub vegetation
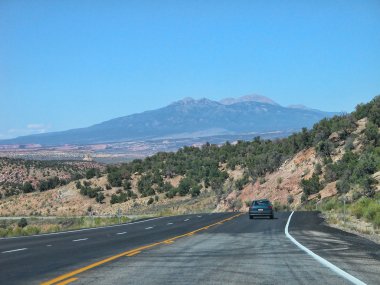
(35, 225)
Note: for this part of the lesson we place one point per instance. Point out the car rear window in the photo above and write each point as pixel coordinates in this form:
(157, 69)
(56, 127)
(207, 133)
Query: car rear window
(260, 203)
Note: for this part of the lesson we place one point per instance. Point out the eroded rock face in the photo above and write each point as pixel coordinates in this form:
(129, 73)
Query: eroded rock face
(328, 191)
(334, 137)
(279, 185)
(285, 182)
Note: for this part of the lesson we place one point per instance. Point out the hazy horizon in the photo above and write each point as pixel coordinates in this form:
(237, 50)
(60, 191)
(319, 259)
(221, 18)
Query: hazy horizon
(72, 64)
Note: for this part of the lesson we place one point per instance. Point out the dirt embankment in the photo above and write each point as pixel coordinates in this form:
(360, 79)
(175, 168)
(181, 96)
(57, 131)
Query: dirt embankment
(277, 186)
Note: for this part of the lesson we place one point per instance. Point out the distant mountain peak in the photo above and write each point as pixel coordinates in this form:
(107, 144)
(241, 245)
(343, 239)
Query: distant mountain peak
(186, 100)
(188, 117)
(248, 98)
(191, 101)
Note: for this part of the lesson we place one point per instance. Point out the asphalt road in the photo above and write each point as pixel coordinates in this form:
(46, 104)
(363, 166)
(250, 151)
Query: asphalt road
(192, 249)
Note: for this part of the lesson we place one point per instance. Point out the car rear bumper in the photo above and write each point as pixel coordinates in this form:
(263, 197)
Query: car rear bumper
(263, 213)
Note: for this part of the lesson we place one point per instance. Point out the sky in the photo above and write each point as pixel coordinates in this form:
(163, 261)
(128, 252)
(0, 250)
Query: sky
(73, 63)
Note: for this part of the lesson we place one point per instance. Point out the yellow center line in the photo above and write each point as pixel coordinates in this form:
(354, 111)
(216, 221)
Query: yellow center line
(133, 253)
(126, 253)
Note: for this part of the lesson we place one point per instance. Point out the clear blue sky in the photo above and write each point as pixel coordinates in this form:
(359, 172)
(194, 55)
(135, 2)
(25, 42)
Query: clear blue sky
(68, 64)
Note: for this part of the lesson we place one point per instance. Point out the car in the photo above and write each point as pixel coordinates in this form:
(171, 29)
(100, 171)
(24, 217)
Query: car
(260, 208)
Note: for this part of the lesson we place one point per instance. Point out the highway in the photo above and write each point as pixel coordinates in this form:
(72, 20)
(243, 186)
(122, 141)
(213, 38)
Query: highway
(220, 248)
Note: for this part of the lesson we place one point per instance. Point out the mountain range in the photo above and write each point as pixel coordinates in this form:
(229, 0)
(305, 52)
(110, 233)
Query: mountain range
(188, 118)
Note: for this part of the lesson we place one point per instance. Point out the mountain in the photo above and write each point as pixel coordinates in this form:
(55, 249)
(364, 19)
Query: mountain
(188, 118)
(248, 98)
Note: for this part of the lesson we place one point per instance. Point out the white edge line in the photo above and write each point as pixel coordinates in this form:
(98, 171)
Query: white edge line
(82, 230)
(122, 233)
(14, 250)
(81, 239)
(321, 260)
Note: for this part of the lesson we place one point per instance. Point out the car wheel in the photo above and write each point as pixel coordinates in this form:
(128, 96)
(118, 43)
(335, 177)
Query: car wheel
(271, 216)
(250, 217)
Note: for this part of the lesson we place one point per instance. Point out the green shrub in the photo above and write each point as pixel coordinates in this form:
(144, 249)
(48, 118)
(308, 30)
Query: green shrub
(127, 185)
(318, 169)
(343, 186)
(99, 197)
(371, 210)
(312, 185)
(27, 187)
(115, 179)
(240, 183)
(195, 190)
(184, 186)
(91, 192)
(376, 220)
(367, 208)
(3, 232)
(122, 197)
(92, 172)
(303, 198)
(144, 185)
(360, 207)
(331, 204)
(114, 199)
(325, 148)
(22, 223)
(171, 193)
(31, 230)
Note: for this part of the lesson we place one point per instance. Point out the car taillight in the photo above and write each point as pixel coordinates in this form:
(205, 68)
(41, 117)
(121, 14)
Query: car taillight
(270, 207)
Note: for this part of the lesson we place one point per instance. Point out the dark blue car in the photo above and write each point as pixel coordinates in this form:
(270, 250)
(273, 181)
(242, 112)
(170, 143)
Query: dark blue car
(261, 208)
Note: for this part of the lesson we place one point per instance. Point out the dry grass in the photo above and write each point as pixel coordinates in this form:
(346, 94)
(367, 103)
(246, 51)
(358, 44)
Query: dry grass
(351, 224)
(10, 228)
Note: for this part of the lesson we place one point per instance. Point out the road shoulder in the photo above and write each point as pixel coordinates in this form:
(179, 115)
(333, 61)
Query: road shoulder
(354, 254)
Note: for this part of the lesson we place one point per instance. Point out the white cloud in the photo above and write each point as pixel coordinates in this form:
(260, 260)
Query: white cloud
(30, 129)
(36, 126)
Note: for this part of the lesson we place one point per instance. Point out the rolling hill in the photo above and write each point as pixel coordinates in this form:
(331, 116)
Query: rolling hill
(188, 118)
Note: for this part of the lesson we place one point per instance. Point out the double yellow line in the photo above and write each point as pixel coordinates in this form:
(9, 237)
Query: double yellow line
(69, 277)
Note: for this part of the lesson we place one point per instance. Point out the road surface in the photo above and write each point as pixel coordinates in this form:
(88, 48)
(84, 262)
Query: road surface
(221, 248)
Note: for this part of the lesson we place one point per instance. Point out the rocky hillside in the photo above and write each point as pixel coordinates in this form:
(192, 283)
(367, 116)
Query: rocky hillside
(288, 185)
(23, 176)
(338, 156)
